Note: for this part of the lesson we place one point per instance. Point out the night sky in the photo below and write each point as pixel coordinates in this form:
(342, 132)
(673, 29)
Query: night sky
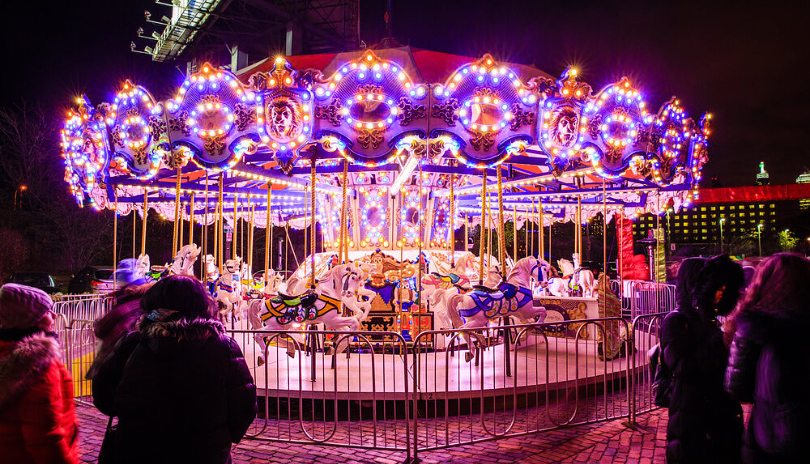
(748, 64)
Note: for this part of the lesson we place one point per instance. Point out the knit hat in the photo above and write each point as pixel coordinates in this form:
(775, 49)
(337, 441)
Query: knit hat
(128, 273)
(21, 307)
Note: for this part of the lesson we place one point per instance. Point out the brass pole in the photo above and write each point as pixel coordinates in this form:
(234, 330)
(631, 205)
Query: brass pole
(250, 238)
(541, 246)
(452, 221)
(220, 224)
(181, 226)
(604, 228)
(191, 221)
(236, 241)
(529, 244)
(115, 239)
(499, 224)
(481, 246)
(205, 231)
(143, 226)
(313, 227)
(268, 234)
(176, 211)
(343, 249)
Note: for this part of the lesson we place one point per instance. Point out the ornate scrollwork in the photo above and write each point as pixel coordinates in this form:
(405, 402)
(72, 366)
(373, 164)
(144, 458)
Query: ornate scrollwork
(330, 112)
(369, 88)
(408, 112)
(215, 145)
(520, 117)
(117, 137)
(482, 141)
(244, 116)
(437, 147)
(447, 111)
(594, 127)
(370, 138)
(157, 126)
(180, 123)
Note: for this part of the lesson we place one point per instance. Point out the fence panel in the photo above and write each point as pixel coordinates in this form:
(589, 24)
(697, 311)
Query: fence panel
(546, 376)
(330, 387)
(85, 307)
(645, 336)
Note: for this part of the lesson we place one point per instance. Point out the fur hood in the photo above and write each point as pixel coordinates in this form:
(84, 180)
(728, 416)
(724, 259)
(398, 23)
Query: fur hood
(771, 328)
(23, 361)
(197, 329)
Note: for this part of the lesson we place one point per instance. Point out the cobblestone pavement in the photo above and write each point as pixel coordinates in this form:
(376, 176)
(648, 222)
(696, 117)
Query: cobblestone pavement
(605, 442)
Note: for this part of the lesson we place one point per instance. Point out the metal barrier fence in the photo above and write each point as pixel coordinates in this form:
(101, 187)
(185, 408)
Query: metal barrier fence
(641, 297)
(349, 389)
(355, 398)
(645, 333)
(552, 381)
(87, 307)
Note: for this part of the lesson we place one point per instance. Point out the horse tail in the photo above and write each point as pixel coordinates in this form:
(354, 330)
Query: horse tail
(452, 309)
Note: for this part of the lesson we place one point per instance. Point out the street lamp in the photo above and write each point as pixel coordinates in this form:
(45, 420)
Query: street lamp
(722, 220)
(20, 189)
(759, 237)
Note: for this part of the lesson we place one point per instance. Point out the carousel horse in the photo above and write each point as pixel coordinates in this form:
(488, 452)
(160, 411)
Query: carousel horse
(511, 298)
(341, 285)
(269, 289)
(182, 264)
(211, 273)
(439, 297)
(580, 280)
(228, 290)
(143, 266)
(457, 278)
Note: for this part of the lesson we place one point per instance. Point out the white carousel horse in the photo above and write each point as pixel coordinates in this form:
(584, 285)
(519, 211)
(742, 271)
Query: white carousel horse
(511, 298)
(578, 279)
(143, 266)
(183, 263)
(211, 270)
(457, 278)
(341, 285)
(228, 290)
(439, 297)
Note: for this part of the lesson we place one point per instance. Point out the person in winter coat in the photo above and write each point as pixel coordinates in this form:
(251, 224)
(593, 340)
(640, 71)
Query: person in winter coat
(179, 385)
(769, 364)
(37, 415)
(123, 317)
(705, 424)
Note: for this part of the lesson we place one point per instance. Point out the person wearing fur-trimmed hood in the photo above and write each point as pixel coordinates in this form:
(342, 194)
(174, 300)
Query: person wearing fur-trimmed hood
(37, 414)
(179, 386)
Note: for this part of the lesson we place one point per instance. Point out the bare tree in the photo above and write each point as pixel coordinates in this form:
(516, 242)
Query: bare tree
(62, 235)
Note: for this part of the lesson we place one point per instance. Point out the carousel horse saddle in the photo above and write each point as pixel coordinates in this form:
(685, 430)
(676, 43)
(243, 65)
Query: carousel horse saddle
(451, 278)
(306, 299)
(485, 289)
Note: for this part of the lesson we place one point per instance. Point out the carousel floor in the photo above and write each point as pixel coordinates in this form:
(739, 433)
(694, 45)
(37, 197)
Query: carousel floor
(537, 366)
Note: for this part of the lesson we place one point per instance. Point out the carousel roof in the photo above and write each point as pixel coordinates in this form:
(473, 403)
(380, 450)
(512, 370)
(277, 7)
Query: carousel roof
(384, 116)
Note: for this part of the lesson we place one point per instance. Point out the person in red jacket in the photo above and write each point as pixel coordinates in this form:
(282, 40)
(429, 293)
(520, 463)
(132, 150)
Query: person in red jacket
(37, 415)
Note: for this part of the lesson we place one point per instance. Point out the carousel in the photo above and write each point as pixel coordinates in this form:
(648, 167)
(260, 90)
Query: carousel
(383, 157)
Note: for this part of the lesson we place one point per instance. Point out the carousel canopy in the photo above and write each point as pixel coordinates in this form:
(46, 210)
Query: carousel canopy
(412, 129)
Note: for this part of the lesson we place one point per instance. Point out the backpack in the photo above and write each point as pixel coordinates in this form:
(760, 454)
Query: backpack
(662, 377)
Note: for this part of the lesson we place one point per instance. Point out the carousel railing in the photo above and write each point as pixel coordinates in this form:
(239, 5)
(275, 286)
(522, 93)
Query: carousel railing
(353, 397)
(88, 307)
(559, 377)
(645, 331)
(345, 389)
(640, 297)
